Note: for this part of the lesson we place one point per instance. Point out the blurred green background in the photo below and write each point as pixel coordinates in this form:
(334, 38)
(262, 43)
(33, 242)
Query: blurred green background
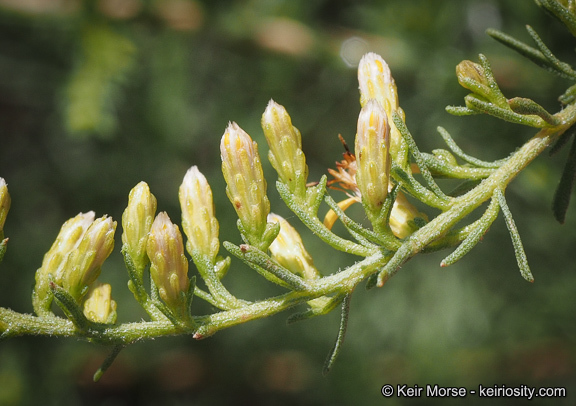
(96, 96)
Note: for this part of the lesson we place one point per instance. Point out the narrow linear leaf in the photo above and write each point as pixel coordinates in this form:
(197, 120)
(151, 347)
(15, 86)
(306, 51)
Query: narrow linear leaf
(559, 67)
(70, 308)
(317, 227)
(107, 362)
(563, 192)
(341, 335)
(401, 126)
(442, 168)
(266, 266)
(560, 12)
(561, 142)
(461, 154)
(525, 106)
(523, 49)
(569, 96)
(464, 187)
(387, 240)
(496, 95)
(351, 225)
(461, 111)
(516, 241)
(475, 235)
(413, 187)
(504, 114)
(401, 256)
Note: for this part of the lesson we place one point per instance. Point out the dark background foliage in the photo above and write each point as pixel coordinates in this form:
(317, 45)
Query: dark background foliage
(96, 96)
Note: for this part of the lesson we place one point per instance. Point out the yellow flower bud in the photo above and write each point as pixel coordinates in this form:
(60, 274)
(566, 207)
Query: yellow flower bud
(198, 220)
(136, 223)
(56, 258)
(4, 205)
(84, 263)
(169, 266)
(372, 154)
(288, 250)
(471, 76)
(99, 306)
(402, 217)
(246, 186)
(376, 82)
(285, 142)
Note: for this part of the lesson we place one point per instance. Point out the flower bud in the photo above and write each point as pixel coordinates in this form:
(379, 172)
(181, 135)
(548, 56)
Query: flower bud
(169, 266)
(288, 250)
(471, 76)
(4, 205)
(84, 263)
(198, 220)
(372, 154)
(99, 306)
(55, 260)
(246, 186)
(285, 142)
(376, 82)
(136, 222)
(402, 217)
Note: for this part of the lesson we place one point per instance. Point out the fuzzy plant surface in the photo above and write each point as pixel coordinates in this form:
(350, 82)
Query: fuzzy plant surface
(405, 213)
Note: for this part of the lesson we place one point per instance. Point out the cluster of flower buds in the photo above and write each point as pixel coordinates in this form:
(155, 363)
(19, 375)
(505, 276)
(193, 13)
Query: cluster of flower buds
(366, 174)
(376, 83)
(74, 260)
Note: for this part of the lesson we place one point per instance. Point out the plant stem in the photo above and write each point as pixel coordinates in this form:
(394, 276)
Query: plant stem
(17, 324)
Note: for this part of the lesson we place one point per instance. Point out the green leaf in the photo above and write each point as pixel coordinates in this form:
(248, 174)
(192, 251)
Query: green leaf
(523, 49)
(475, 235)
(562, 13)
(341, 335)
(561, 142)
(266, 266)
(480, 105)
(317, 227)
(569, 96)
(461, 154)
(524, 106)
(70, 307)
(461, 111)
(401, 126)
(557, 66)
(413, 187)
(516, 241)
(562, 195)
(108, 361)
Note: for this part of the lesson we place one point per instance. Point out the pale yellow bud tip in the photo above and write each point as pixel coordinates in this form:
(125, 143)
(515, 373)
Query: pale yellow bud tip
(288, 249)
(99, 306)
